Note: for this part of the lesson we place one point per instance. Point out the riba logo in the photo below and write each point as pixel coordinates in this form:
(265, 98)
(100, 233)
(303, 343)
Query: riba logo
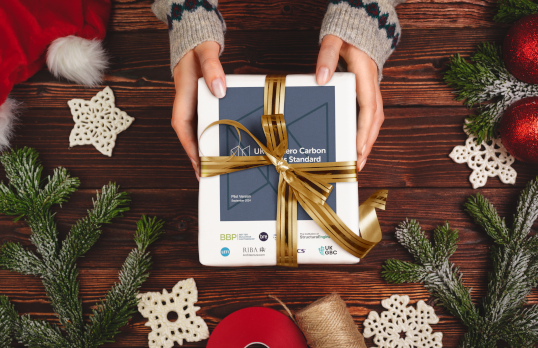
(327, 250)
(225, 252)
(264, 236)
(228, 236)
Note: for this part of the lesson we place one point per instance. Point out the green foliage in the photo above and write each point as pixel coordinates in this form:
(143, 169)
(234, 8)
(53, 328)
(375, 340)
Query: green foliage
(501, 315)
(512, 10)
(485, 83)
(29, 196)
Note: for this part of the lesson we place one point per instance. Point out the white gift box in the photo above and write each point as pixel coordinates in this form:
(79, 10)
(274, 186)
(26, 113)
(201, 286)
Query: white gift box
(237, 211)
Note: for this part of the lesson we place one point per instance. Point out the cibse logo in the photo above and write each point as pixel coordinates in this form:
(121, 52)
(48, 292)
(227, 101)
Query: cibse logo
(327, 250)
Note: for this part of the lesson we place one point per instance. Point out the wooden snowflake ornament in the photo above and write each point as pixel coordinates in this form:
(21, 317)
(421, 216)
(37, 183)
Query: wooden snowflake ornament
(162, 311)
(402, 326)
(98, 122)
(488, 159)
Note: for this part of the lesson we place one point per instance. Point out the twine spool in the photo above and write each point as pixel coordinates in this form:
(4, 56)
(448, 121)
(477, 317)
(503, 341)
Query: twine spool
(327, 323)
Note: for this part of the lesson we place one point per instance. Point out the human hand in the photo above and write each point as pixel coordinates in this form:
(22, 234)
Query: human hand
(204, 61)
(371, 114)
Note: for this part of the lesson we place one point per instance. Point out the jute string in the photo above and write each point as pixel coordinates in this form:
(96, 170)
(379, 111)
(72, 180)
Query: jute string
(327, 323)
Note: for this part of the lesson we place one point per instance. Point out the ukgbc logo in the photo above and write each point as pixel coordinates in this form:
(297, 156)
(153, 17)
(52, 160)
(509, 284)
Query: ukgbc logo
(327, 250)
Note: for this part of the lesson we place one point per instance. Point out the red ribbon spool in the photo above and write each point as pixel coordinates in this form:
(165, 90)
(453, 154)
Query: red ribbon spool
(256, 325)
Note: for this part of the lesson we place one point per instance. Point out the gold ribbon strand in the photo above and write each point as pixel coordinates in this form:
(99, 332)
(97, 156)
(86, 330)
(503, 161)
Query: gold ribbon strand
(303, 183)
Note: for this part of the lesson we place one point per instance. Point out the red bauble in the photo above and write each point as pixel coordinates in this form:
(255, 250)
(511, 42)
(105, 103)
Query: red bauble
(519, 130)
(520, 49)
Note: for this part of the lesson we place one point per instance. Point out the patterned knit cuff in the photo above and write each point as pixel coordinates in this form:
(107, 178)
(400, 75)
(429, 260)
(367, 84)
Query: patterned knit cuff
(372, 27)
(190, 22)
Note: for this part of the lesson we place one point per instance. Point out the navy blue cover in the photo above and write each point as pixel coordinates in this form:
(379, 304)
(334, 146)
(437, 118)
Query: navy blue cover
(250, 195)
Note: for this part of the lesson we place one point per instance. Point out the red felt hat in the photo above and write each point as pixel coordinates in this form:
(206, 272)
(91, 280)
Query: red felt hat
(66, 34)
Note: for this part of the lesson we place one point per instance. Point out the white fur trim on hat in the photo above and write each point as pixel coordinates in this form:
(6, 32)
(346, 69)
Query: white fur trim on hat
(80, 60)
(8, 115)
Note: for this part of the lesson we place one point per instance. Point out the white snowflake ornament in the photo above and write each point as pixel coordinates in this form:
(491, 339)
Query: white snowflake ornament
(98, 122)
(161, 309)
(488, 159)
(402, 326)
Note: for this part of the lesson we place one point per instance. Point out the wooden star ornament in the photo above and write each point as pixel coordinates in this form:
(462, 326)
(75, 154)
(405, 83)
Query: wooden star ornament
(98, 122)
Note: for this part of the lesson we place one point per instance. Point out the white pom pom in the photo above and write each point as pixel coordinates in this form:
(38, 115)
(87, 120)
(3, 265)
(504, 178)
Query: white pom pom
(80, 60)
(8, 114)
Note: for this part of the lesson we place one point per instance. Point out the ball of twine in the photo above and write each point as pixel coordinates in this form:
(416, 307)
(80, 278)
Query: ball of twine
(327, 323)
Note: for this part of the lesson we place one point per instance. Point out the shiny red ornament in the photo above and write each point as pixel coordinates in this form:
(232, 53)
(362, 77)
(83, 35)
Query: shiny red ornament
(520, 49)
(519, 130)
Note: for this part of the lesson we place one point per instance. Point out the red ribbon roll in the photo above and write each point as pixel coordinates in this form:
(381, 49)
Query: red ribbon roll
(256, 325)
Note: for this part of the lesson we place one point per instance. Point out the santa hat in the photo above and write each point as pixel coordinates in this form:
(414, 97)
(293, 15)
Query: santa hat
(67, 34)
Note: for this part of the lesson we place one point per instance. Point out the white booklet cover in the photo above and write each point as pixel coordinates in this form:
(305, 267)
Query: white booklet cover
(237, 211)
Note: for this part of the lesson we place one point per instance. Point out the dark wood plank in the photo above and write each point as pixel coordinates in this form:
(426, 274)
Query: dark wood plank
(277, 15)
(178, 249)
(411, 151)
(140, 73)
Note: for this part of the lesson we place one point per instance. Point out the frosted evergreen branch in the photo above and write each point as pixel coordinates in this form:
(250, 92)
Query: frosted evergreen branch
(8, 318)
(521, 330)
(398, 272)
(58, 188)
(15, 258)
(485, 214)
(23, 170)
(110, 203)
(527, 210)
(27, 196)
(439, 276)
(121, 301)
(512, 10)
(409, 234)
(39, 333)
(486, 79)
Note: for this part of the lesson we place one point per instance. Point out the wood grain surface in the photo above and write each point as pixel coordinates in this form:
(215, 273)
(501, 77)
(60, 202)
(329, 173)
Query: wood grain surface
(423, 123)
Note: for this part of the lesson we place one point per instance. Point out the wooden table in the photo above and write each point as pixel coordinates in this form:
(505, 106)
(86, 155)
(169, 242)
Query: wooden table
(423, 123)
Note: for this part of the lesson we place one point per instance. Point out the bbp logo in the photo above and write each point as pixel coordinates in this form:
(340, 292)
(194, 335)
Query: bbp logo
(264, 236)
(225, 252)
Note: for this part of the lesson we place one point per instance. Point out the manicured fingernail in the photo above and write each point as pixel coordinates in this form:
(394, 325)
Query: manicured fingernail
(363, 150)
(218, 88)
(362, 165)
(323, 75)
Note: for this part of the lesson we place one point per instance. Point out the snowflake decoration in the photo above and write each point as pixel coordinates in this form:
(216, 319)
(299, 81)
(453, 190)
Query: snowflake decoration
(159, 308)
(98, 122)
(413, 323)
(488, 159)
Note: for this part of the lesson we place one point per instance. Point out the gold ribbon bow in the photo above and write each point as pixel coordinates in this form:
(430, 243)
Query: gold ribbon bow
(306, 183)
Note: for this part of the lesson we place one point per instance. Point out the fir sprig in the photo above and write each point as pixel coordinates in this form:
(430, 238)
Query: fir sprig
(512, 10)
(515, 264)
(30, 197)
(486, 83)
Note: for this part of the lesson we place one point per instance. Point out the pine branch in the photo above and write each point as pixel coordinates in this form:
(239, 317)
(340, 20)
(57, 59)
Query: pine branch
(512, 10)
(485, 214)
(109, 204)
(527, 210)
(27, 196)
(439, 276)
(398, 272)
(15, 258)
(486, 79)
(121, 301)
(8, 318)
(522, 329)
(39, 333)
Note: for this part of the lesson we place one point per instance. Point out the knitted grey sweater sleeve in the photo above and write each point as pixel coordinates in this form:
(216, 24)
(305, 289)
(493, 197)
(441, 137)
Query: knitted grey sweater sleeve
(190, 22)
(370, 25)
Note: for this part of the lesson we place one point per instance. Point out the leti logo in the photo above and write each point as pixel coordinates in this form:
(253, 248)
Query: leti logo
(327, 250)
(228, 236)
